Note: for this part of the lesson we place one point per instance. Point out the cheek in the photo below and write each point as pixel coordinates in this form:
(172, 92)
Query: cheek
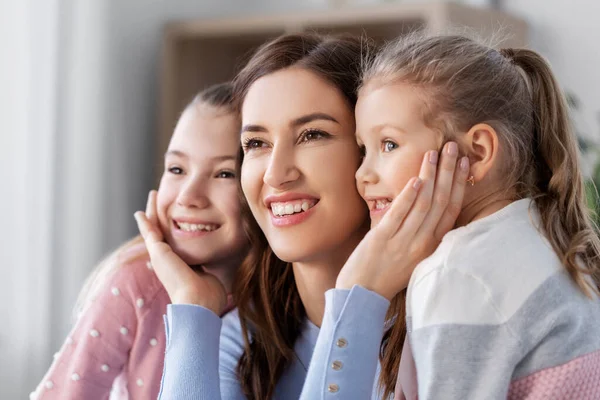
(251, 180)
(403, 168)
(334, 167)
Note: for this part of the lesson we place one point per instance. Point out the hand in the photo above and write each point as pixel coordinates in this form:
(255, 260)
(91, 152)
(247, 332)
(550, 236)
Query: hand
(183, 284)
(412, 228)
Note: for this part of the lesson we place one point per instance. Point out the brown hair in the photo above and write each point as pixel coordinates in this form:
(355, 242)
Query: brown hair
(270, 308)
(218, 96)
(515, 92)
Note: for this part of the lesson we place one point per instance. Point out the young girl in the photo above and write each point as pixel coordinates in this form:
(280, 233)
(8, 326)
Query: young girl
(297, 97)
(119, 338)
(507, 306)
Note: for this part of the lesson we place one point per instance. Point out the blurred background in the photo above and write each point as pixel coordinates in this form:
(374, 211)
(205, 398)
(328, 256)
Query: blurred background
(90, 90)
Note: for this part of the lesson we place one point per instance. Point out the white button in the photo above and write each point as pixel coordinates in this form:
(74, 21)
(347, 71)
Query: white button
(149, 265)
(56, 355)
(139, 382)
(153, 342)
(337, 365)
(49, 384)
(104, 368)
(75, 377)
(69, 340)
(139, 303)
(115, 291)
(94, 333)
(32, 396)
(341, 342)
(332, 388)
(124, 330)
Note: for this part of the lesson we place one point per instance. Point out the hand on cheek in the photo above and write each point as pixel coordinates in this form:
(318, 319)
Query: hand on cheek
(182, 283)
(412, 228)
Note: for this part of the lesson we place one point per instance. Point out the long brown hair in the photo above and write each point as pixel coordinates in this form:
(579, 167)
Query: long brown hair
(270, 308)
(219, 96)
(515, 92)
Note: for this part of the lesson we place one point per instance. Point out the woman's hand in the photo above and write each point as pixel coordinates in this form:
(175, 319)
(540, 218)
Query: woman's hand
(183, 284)
(412, 228)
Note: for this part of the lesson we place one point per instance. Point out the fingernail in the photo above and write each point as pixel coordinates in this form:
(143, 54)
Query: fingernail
(452, 149)
(464, 163)
(433, 157)
(417, 183)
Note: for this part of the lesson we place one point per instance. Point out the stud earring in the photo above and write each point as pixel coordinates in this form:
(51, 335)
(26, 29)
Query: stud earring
(471, 180)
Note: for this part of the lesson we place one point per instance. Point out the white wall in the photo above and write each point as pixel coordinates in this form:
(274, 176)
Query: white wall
(568, 35)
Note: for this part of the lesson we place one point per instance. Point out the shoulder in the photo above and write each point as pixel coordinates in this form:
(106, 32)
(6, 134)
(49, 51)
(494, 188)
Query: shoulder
(487, 270)
(132, 276)
(232, 340)
(231, 331)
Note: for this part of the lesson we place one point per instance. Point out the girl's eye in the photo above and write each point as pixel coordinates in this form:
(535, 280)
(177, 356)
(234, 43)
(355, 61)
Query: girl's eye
(226, 175)
(175, 170)
(252, 144)
(389, 146)
(313, 134)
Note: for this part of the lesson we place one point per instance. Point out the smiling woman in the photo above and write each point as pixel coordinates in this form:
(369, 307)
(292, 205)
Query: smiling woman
(301, 150)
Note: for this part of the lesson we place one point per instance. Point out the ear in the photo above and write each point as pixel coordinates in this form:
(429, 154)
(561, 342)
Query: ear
(481, 145)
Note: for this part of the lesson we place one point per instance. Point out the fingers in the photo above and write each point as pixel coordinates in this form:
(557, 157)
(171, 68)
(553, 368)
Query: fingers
(172, 271)
(442, 190)
(151, 211)
(448, 219)
(393, 219)
(147, 229)
(422, 204)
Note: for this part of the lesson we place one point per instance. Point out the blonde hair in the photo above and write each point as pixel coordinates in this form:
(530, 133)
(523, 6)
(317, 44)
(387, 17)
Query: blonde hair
(514, 91)
(218, 96)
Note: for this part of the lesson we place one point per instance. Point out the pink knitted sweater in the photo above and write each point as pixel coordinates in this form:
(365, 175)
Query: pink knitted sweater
(119, 341)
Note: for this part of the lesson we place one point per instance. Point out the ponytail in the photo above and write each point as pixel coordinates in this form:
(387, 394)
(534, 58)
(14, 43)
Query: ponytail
(559, 188)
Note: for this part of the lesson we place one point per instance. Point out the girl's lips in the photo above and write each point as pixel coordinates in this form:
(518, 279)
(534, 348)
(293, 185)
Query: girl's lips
(192, 229)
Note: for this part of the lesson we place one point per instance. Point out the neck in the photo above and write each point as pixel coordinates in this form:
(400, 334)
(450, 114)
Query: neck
(225, 271)
(480, 207)
(314, 278)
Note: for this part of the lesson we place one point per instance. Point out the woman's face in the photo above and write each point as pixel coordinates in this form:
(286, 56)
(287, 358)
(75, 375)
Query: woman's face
(300, 157)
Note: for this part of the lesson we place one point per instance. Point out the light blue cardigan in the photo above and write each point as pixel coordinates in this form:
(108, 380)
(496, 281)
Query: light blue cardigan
(203, 350)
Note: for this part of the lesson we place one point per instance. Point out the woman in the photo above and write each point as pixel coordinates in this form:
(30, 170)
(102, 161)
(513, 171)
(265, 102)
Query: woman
(297, 97)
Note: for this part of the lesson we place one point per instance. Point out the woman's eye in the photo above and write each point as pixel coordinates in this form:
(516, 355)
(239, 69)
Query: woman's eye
(313, 134)
(388, 146)
(251, 144)
(226, 175)
(175, 170)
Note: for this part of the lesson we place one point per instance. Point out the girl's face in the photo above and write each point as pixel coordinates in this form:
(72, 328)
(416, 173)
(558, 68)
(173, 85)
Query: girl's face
(390, 129)
(299, 165)
(198, 201)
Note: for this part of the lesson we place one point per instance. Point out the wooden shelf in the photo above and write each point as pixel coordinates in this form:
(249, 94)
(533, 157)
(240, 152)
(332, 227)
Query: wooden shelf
(199, 53)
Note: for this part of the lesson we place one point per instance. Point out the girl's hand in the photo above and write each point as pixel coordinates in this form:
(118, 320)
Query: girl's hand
(183, 284)
(412, 228)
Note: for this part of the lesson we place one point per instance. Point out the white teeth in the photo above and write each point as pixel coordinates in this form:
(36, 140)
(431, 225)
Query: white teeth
(184, 226)
(280, 209)
(381, 204)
